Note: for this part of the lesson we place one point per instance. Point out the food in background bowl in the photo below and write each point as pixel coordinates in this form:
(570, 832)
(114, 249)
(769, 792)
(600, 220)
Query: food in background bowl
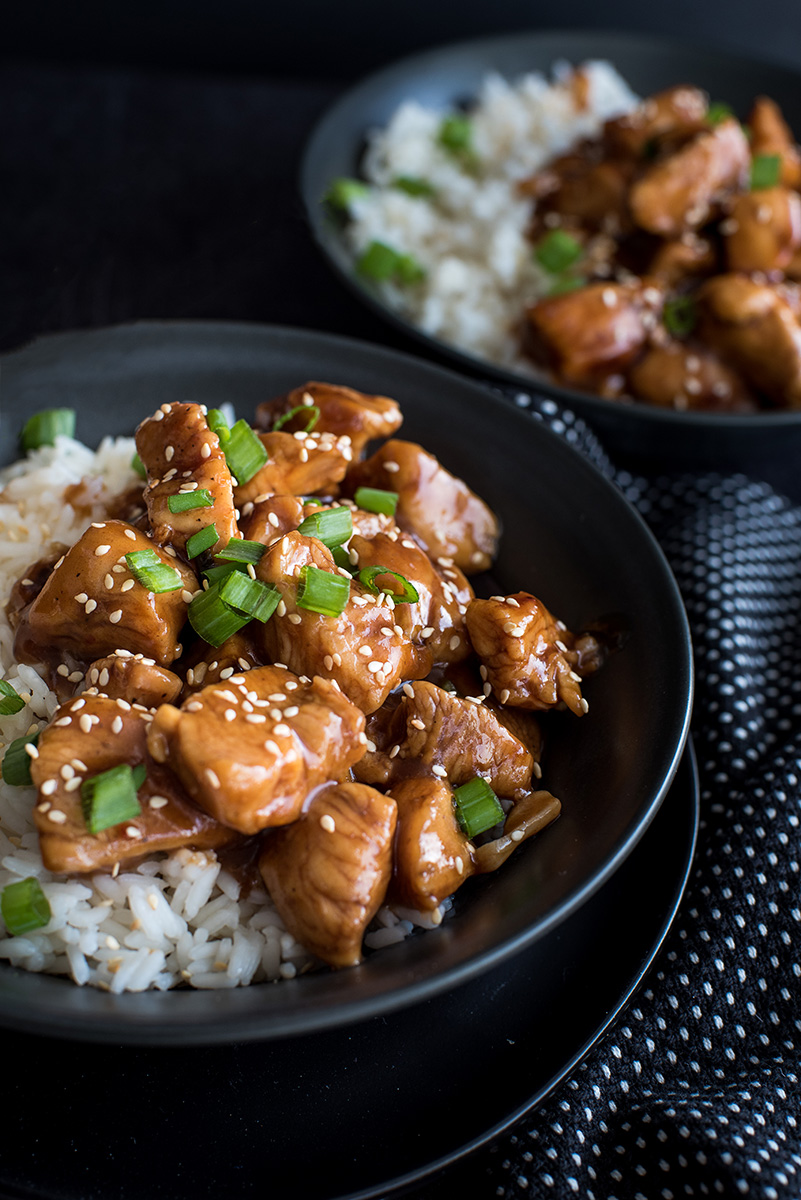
(635, 250)
(342, 720)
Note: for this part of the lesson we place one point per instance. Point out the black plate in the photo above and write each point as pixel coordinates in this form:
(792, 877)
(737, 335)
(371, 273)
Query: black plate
(568, 536)
(356, 1113)
(451, 74)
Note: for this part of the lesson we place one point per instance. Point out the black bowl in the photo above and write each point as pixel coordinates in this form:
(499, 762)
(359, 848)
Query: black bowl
(637, 435)
(568, 535)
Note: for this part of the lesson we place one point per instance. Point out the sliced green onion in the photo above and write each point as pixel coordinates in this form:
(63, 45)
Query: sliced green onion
(331, 526)
(211, 618)
(409, 270)
(342, 559)
(567, 283)
(765, 171)
(413, 186)
(153, 574)
(249, 596)
(477, 807)
(679, 316)
(381, 263)
(186, 501)
(447, 686)
(311, 409)
(408, 592)
(718, 112)
(224, 570)
(44, 427)
(17, 761)
(245, 452)
(138, 466)
(11, 701)
(241, 551)
(24, 906)
(557, 251)
(342, 193)
(110, 798)
(322, 591)
(376, 500)
(204, 539)
(215, 419)
(455, 135)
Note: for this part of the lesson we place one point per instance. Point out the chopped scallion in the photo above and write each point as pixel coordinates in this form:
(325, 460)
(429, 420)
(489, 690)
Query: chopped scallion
(153, 574)
(249, 596)
(110, 798)
(477, 806)
(311, 410)
(245, 452)
(557, 251)
(376, 500)
(215, 419)
(44, 427)
(11, 701)
(224, 570)
(455, 135)
(24, 906)
(211, 618)
(413, 186)
(17, 761)
(679, 316)
(343, 192)
(381, 263)
(186, 501)
(765, 171)
(242, 551)
(718, 112)
(331, 526)
(138, 466)
(407, 594)
(204, 539)
(322, 591)
(567, 283)
(342, 559)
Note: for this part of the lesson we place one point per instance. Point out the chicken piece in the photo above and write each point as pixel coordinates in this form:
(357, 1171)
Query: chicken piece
(181, 454)
(328, 873)
(763, 230)
(448, 519)
(250, 750)
(526, 817)
(522, 724)
(585, 334)
(770, 134)
(360, 649)
(270, 518)
(431, 731)
(434, 623)
(677, 110)
(583, 191)
(755, 329)
(342, 411)
(673, 262)
(298, 464)
(88, 735)
(682, 191)
(134, 678)
(214, 664)
(433, 855)
(91, 604)
(688, 377)
(526, 653)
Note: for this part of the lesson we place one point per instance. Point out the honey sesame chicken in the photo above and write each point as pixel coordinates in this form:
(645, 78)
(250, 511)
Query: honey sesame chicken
(135, 678)
(297, 464)
(342, 410)
(433, 855)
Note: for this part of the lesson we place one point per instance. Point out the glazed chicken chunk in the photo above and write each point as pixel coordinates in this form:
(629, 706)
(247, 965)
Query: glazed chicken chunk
(134, 678)
(676, 110)
(297, 464)
(328, 872)
(433, 855)
(343, 411)
(770, 135)
(251, 749)
(763, 230)
(88, 735)
(182, 454)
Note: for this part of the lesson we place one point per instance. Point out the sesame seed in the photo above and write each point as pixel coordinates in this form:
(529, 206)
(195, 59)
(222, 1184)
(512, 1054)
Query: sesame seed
(517, 835)
(212, 777)
(365, 651)
(427, 632)
(116, 616)
(129, 533)
(256, 718)
(455, 642)
(609, 297)
(272, 746)
(375, 666)
(73, 784)
(282, 730)
(328, 662)
(504, 696)
(101, 550)
(57, 816)
(392, 467)
(132, 832)
(90, 606)
(31, 750)
(327, 822)
(115, 870)
(291, 711)
(304, 455)
(226, 672)
(81, 598)
(230, 714)
(295, 618)
(123, 704)
(195, 706)
(584, 705)
(77, 705)
(394, 751)
(85, 723)
(487, 689)
(536, 771)
(418, 724)
(63, 721)
(158, 802)
(443, 774)
(48, 787)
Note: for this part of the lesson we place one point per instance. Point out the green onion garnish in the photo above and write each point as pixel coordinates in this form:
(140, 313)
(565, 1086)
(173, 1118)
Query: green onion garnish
(224, 570)
(249, 596)
(413, 186)
(567, 283)
(186, 501)
(110, 798)
(407, 594)
(17, 761)
(381, 263)
(342, 559)
(557, 251)
(138, 466)
(241, 551)
(322, 591)
(204, 539)
(477, 807)
(376, 500)
(24, 906)
(11, 701)
(718, 112)
(245, 453)
(679, 316)
(44, 427)
(153, 574)
(211, 618)
(331, 526)
(342, 193)
(455, 135)
(312, 410)
(765, 171)
(215, 419)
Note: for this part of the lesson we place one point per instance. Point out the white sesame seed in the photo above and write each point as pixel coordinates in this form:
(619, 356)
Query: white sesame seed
(48, 787)
(81, 598)
(90, 606)
(328, 662)
(584, 705)
(365, 651)
(394, 751)
(282, 730)
(132, 832)
(418, 724)
(291, 711)
(129, 533)
(392, 467)
(101, 550)
(443, 774)
(295, 618)
(504, 696)
(158, 802)
(455, 642)
(226, 672)
(212, 777)
(408, 690)
(57, 816)
(327, 822)
(116, 616)
(73, 784)
(256, 718)
(536, 771)
(375, 666)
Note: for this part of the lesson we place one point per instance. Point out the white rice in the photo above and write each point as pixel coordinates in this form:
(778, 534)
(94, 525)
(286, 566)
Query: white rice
(470, 236)
(176, 918)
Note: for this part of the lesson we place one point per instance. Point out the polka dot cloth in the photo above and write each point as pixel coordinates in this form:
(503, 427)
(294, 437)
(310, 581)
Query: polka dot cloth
(694, 1090)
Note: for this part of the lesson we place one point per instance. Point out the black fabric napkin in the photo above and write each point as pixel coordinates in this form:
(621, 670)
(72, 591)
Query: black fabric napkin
(694, 1089)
